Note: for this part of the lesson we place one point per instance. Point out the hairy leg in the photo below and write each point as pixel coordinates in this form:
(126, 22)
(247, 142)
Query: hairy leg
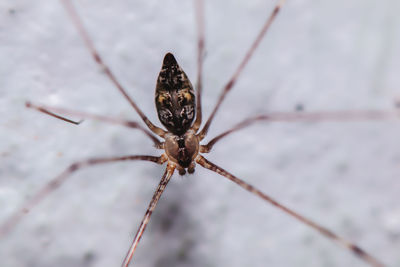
(153, 203)
(60, 179)
(131, 124)
(329, 234)
(328, 116)
(200, 57)
(242, 65)
(89, 44)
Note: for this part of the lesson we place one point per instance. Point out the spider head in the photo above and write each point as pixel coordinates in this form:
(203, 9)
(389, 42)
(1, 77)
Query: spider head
(174, 97)
(182, 150)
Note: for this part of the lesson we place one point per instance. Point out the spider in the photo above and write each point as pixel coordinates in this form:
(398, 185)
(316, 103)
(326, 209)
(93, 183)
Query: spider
(183, 163)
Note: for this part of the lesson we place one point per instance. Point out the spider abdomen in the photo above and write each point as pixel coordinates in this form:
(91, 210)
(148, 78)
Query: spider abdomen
(174, 97)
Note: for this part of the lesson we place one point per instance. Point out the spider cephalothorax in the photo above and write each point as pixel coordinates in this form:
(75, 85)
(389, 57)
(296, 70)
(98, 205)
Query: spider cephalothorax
(175, 99)
(182, 150)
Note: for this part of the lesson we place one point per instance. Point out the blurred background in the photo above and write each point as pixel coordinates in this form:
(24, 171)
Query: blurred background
(338, 55)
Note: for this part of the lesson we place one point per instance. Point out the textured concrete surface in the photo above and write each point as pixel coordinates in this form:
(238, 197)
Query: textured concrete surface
(324, 56)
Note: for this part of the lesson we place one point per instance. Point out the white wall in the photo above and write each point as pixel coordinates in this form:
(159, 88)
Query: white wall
(327, 56)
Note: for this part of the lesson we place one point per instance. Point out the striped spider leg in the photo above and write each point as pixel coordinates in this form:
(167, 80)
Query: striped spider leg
(182, 140)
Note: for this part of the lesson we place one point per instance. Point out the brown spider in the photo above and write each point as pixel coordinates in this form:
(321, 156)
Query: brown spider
(177, 105)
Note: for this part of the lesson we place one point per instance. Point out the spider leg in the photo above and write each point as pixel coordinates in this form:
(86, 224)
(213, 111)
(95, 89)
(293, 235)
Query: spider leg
(131, 124)
(48, 112)
(327, 116)
(242, 65)
(200, 58)
(61, 178)
(89, 44)
(153, 203)
(348, 245)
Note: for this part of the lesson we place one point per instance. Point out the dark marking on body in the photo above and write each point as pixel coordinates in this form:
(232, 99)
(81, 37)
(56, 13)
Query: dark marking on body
(175, 98)
(184, 159)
